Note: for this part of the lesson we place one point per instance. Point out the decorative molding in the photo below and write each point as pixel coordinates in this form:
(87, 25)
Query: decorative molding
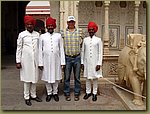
(98, 3)
(110, 66)
(123, 4)
(113, 68)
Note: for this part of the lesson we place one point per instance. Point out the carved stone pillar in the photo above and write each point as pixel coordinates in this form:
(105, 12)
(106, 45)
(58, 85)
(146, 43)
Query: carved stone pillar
(98, 19)
(106, 28)
(137, 3)
(65, 13)
(73, 10)
(70, 8)
(76, 5)
(55, 13)
(62, 11)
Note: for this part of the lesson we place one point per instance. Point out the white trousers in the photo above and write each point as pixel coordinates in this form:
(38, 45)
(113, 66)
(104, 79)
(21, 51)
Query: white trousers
(52, 88)
(88, 86)
(29, 89)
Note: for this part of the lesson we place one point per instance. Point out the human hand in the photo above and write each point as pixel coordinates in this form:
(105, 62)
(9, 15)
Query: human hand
(62, 67)
(82, 66)
(18, 65)
(40, 67)
(98, 67)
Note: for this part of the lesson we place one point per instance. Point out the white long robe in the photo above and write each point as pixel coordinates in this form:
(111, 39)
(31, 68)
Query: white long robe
(27, 55)
(91, 56)
(51, 56)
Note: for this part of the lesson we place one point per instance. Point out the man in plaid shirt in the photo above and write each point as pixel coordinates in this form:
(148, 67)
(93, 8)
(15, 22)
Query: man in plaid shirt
(72, 44)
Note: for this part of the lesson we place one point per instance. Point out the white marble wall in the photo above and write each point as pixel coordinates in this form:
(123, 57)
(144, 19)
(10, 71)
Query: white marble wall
(121, 20)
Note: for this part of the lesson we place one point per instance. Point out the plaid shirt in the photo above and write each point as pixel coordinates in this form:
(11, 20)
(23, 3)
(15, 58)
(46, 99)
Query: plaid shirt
(72, 41)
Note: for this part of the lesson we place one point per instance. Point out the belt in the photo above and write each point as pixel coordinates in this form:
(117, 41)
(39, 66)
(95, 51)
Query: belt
(73, 56)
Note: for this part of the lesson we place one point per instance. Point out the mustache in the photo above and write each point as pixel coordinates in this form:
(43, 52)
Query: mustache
(50, 29)
(91, 32)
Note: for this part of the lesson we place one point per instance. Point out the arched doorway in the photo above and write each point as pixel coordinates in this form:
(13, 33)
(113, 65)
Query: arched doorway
(40, 26)
(40, 10)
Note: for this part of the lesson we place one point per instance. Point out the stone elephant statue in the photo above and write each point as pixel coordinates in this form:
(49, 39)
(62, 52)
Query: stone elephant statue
(132, 67)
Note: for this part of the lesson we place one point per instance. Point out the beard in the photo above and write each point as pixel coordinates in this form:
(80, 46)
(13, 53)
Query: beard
(50, 30)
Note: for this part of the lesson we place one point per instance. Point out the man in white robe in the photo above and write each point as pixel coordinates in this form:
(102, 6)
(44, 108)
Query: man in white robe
(27, 59)
(51, 59)
(91, 60)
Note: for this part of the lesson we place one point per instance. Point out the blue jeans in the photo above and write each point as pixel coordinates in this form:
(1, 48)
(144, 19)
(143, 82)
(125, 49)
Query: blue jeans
(74, 63)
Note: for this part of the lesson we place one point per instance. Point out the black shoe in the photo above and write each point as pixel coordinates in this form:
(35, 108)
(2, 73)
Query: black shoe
(48, 98)
(28, 102)
(94, 97)
(87, 96)
(56, 98)
(76, 98)
(36, 99)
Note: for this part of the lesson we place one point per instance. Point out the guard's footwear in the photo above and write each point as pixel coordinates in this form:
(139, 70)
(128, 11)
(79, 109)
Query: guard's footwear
(28, 102)
(36, 99)
(56, 98)
(48, 98)
(94, 97)
(87, 96)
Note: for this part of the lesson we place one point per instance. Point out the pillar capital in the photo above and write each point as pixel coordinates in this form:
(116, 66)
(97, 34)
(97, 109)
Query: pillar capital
(77, 3)
(137, 3)
(106, 3)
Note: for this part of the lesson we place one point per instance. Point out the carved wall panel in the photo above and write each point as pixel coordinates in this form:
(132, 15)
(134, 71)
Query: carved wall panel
(114, 36)
(113, 68)
(130, 12)
(110, 66)
(84, 28)
(121, 20)
(114, 15)
(86, 12)
(69, 8)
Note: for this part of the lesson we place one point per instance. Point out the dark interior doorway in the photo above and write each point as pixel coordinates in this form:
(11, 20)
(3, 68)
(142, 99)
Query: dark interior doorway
(12, 14)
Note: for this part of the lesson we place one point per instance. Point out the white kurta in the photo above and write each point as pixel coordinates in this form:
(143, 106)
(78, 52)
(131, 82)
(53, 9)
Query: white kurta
(91, 56)
(51, 56)
(27, 55)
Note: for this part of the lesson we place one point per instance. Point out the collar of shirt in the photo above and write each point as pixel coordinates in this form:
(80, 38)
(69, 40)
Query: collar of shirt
(75, 29)
(92, 36)
(50, 34)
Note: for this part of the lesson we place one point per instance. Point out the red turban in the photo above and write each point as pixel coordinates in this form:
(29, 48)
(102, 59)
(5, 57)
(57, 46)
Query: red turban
(93, 25)
(28, 19)
(52, 21)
